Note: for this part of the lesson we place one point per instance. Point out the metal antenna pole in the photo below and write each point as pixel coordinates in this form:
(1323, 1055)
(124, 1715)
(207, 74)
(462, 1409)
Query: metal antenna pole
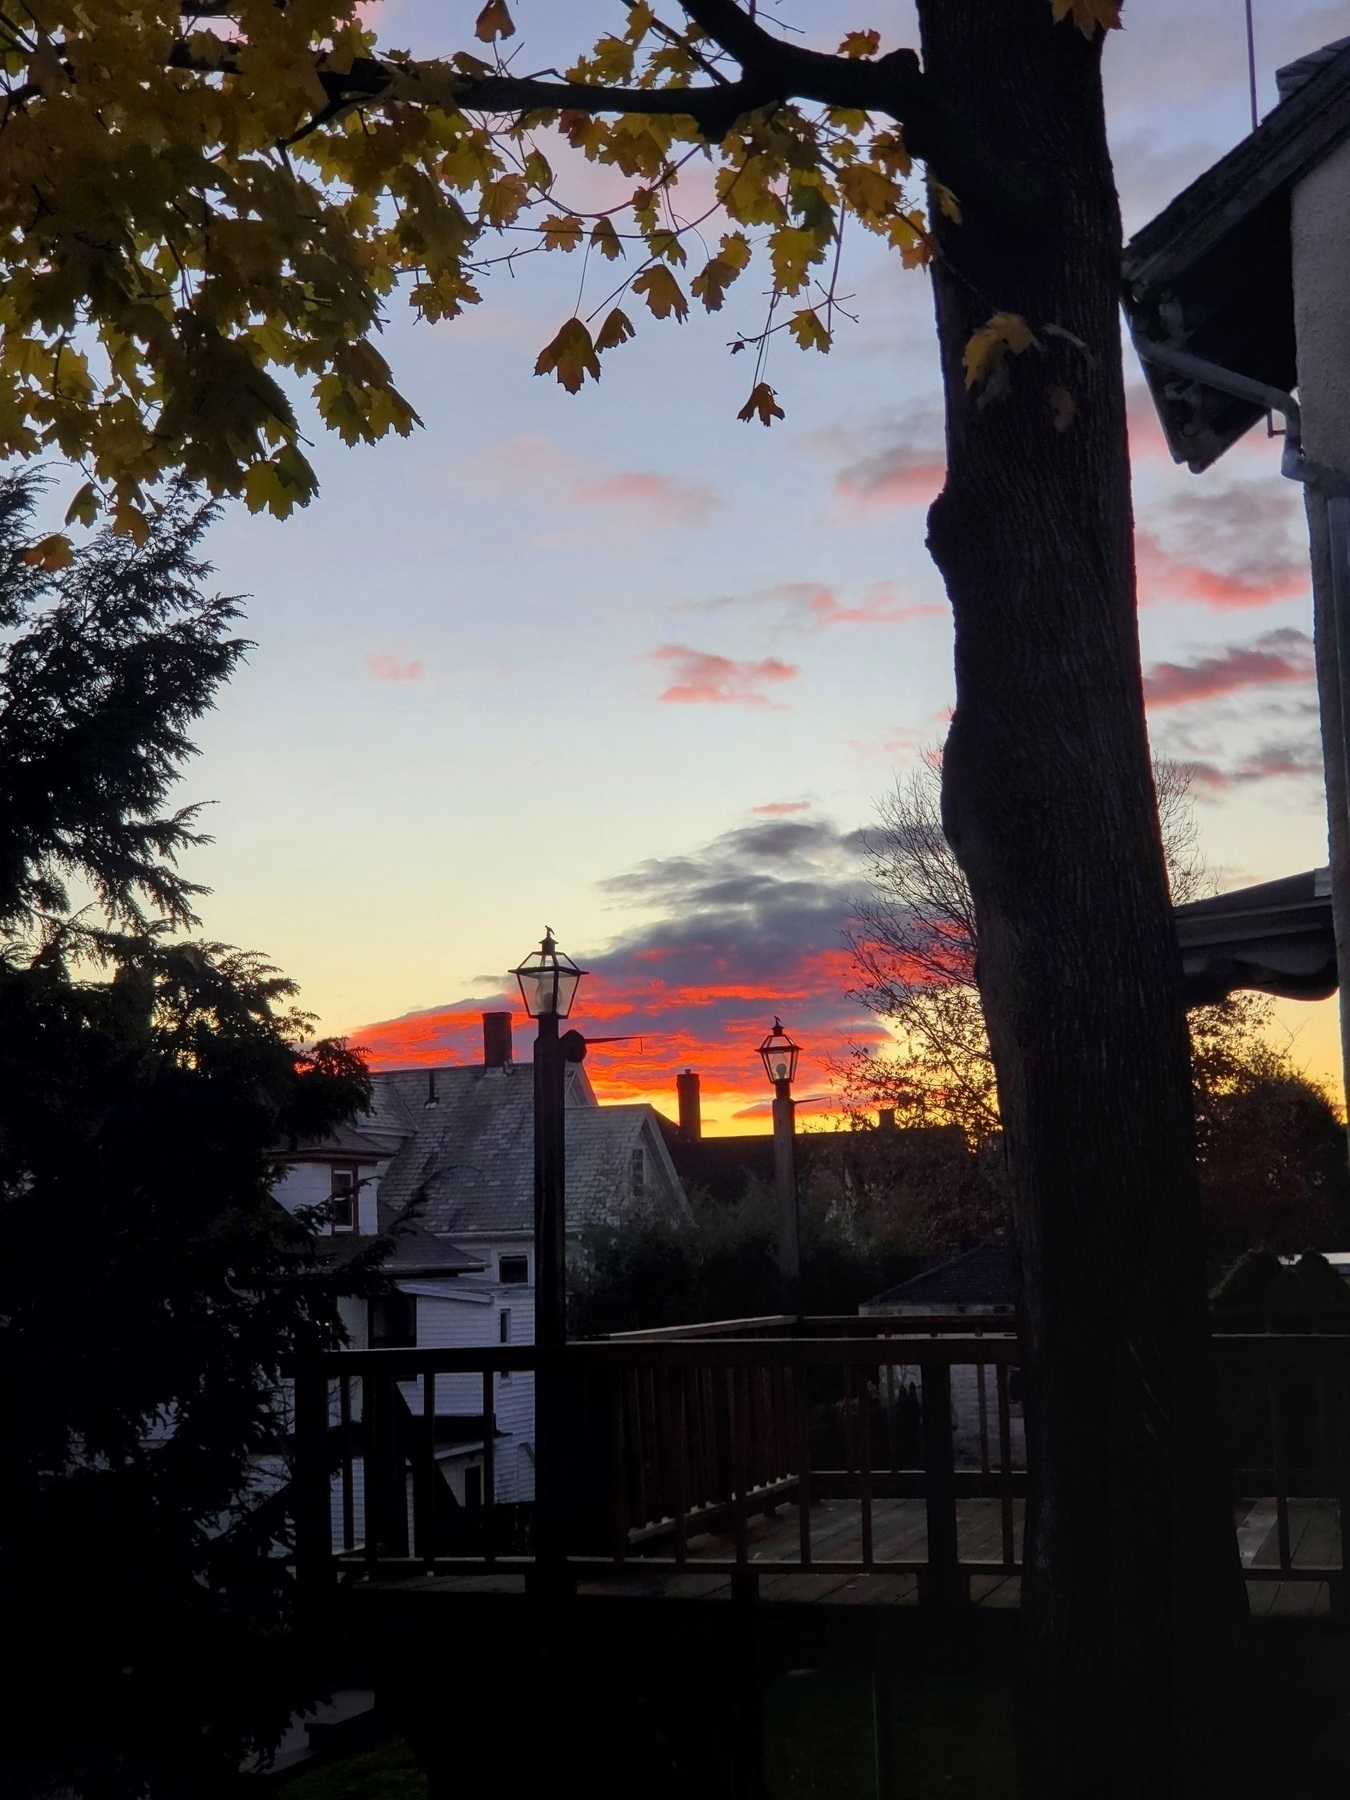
(1251, 63)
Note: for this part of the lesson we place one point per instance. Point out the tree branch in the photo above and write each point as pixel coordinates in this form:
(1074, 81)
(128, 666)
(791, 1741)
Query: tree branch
(772, 73)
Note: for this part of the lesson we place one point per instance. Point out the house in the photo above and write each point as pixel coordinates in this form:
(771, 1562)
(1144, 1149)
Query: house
(978, 1286)
(443, 1163)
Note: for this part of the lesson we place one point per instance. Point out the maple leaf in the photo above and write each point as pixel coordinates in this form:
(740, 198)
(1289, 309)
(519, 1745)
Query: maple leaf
(85, 505)
(662, 292)
(810, 331)
(1090, 16)
(860, 43)
(494, 22)
(605, 239)
(571, 356)
(762, 405)
(617, 329)
(50, 553)
(560, 232)
(988, 349)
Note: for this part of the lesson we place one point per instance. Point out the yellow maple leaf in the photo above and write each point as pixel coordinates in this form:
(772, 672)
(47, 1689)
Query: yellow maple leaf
(85, 505)
(50, 553)
(948, 203)
(1090, 16)
(560, 232)
(762, 405)
(571, 356)
(987, 352)
(860, 43)
(494, 22)
(810, 331)
(662, 292)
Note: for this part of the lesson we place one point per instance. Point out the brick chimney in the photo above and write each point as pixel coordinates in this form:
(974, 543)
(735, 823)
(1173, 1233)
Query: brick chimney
(496, 1040)
(886, 1118)
(691, 1116)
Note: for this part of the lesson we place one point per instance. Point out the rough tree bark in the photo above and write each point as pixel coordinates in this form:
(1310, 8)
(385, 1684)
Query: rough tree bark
(1132, 1588)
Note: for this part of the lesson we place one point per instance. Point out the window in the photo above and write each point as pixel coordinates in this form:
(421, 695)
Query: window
(342, 1190)
(504, 1334)
(393, 1322)
(638, 1173)
(513, 1268)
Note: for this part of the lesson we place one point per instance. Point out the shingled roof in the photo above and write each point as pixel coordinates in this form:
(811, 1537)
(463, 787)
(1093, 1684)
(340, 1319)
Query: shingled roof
(466, 1156)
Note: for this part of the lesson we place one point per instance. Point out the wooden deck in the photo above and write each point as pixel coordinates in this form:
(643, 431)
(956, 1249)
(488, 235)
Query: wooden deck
(900, 1538)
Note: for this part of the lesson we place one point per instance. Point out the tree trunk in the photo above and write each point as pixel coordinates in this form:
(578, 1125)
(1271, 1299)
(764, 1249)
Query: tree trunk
(1131, 1590)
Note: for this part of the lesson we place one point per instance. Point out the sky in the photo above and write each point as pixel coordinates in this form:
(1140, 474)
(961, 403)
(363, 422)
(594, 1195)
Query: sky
(621, 665)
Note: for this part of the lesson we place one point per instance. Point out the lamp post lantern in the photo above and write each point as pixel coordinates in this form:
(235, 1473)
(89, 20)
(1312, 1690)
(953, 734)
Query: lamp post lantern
(779, 1054)
(548, 983)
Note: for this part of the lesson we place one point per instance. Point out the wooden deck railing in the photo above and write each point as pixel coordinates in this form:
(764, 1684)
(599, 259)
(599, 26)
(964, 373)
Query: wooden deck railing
(874, 1448)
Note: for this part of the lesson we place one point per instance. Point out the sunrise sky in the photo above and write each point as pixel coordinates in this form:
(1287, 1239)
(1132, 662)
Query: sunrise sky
(624, 666)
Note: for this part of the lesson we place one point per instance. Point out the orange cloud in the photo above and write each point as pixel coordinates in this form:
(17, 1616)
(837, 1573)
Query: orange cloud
(703, 679)
(382, 665)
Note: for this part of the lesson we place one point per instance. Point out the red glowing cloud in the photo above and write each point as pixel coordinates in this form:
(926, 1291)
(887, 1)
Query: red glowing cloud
(703, 679)
(713, 1028)
(749, 926)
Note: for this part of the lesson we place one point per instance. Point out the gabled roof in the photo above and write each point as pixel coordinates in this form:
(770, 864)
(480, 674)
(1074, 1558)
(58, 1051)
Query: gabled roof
(1212, 274)
(466, 1162)
(981, 1281)
(344, 1142)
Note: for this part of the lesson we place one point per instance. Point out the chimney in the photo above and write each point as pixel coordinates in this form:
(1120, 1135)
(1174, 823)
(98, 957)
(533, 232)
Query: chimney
(496, 1040)
(691, 1118)
(431, 1088)
(886, 1118)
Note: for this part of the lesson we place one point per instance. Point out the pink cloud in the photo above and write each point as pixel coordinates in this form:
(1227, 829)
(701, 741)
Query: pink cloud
(1163, 576)
(903, 475)
(780, 809)
(382, 665)
(629, 500)
(816, 604)
(1277, 657)
(1271, 763)
(702, 679)
(666, 502)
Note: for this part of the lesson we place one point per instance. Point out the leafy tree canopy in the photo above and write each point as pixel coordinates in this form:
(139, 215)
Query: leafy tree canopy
(202, 205)
(1271, 1149)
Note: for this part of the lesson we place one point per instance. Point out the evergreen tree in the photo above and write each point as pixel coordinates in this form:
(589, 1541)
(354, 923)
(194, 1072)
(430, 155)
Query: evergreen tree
(150, 1287)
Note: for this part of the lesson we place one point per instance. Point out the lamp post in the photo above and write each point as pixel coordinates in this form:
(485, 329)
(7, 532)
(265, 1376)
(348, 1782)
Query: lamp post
(779, 1054)
(548, 985)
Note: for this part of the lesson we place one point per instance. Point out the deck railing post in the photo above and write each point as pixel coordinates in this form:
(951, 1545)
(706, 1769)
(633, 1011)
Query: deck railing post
(942, 1585)
(309, 1484)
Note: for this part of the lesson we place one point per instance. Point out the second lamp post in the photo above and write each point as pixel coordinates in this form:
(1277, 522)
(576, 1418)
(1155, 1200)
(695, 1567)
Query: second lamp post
(780, 1065)
(548, 985)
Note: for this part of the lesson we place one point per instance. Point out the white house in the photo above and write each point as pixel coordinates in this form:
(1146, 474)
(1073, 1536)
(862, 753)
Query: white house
(444, 1163)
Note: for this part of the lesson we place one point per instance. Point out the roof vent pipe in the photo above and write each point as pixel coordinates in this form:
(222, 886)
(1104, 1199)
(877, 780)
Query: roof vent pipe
(691, 1113)
(496, 1040)
(431, 1099)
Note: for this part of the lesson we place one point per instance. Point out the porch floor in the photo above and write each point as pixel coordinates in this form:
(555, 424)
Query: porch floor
(899, 1534)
